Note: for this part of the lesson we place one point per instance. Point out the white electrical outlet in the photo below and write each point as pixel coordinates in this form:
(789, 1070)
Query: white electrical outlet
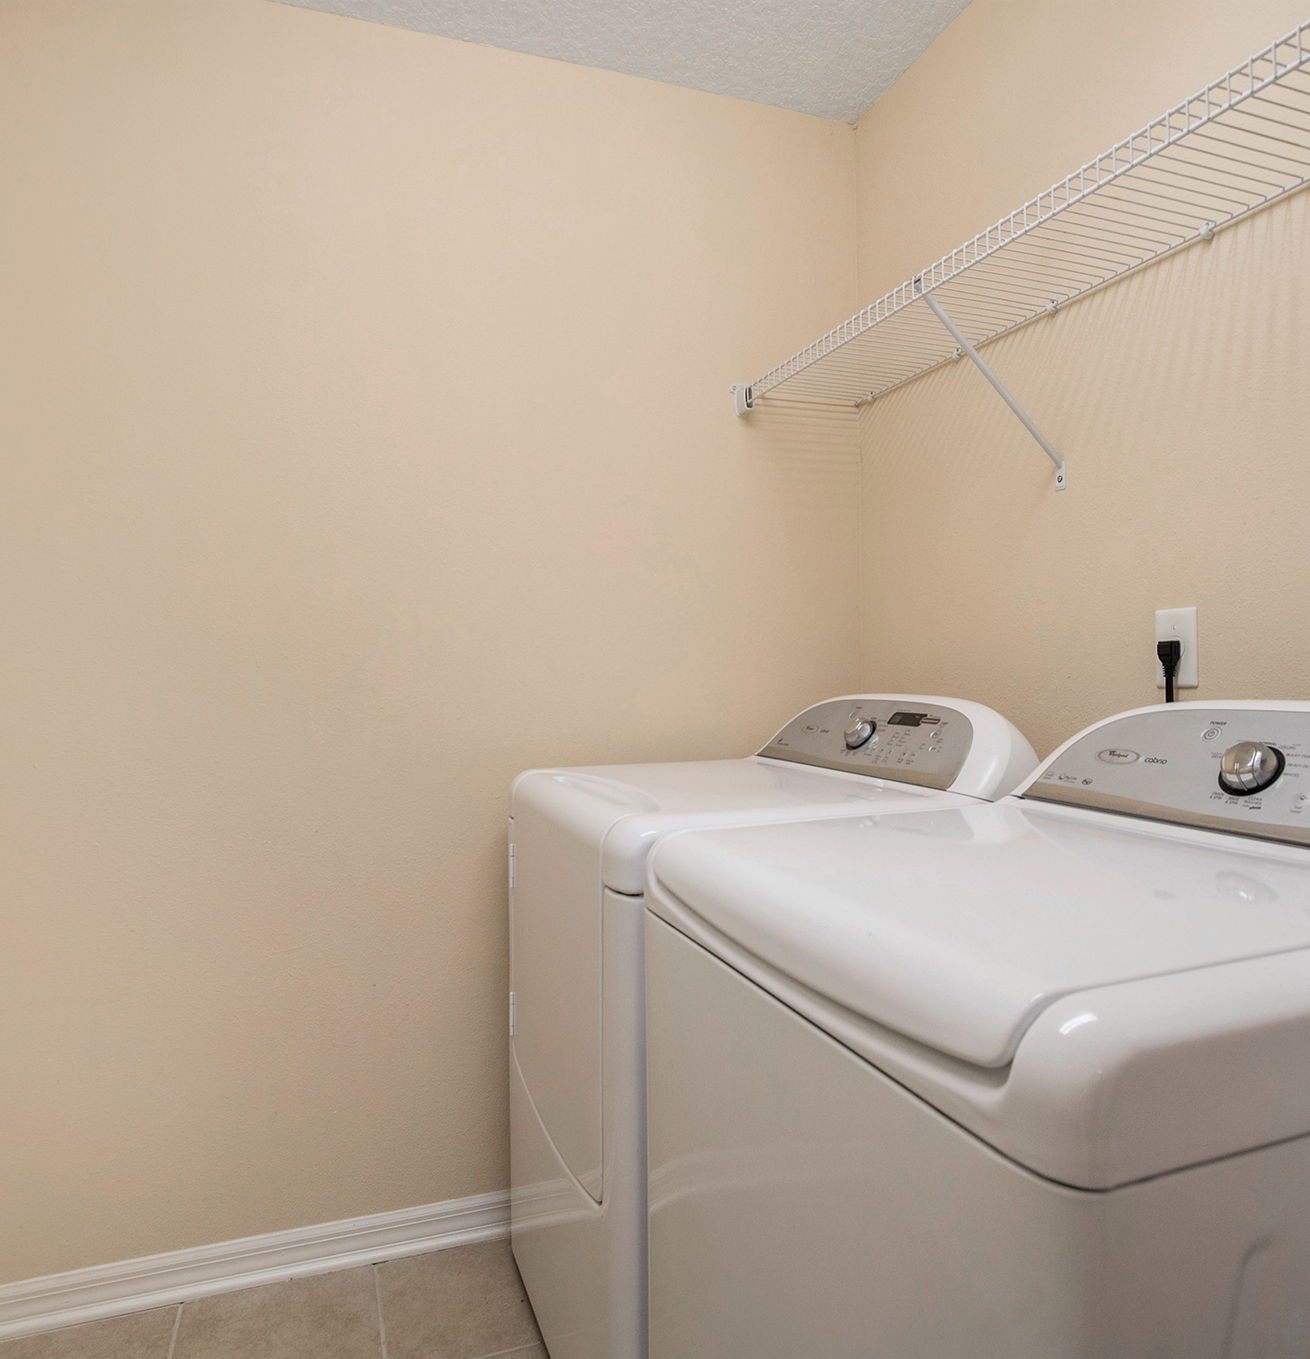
(1180, 624)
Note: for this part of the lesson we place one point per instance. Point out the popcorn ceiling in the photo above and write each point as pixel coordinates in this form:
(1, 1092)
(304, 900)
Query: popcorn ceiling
(832, 58)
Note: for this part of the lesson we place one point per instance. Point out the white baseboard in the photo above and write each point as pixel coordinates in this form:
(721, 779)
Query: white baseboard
(176, 1276)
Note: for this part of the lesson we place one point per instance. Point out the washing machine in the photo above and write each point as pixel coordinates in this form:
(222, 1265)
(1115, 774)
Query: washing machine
(579, 839)
(1028, 1080)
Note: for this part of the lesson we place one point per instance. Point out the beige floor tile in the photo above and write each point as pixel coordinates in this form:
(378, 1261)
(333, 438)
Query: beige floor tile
(142, 1335)
(532, 1352)
(326, 1316)
(465, 1303)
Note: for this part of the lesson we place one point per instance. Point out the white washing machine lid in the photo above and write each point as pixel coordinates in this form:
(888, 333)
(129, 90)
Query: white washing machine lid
(957, 930)
(1101, 999)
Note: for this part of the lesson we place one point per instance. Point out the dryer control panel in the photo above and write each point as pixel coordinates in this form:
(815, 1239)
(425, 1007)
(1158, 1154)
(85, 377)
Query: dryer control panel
(1244, 769)
(885, 739)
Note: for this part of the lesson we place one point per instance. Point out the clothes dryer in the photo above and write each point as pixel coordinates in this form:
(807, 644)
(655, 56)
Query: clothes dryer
(579, 839)
(1014, 1081)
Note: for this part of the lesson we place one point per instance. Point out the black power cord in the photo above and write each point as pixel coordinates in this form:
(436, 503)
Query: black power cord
(1170, 653)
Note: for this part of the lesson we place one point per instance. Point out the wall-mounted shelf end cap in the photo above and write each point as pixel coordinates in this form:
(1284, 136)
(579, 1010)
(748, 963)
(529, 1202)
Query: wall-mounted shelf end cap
(743, 398)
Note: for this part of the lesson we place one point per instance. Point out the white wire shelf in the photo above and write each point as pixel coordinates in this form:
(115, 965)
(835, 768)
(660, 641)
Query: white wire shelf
(1235, 146)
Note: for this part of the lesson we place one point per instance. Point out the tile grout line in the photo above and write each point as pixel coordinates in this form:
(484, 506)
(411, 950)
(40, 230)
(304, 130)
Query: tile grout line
(382, 1325)
(177, 1326)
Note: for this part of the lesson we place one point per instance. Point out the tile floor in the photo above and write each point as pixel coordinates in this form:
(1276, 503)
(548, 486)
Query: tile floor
(465, 1303)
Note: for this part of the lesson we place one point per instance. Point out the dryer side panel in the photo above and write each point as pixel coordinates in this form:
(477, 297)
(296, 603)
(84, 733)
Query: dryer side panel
(555, 977)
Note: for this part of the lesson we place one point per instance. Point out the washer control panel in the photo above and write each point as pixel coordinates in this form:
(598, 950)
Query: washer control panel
(885, 739)
(1245, 770)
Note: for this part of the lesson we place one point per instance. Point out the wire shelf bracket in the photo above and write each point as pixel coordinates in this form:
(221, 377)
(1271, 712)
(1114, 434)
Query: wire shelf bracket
(1237, 145)
(961, 339)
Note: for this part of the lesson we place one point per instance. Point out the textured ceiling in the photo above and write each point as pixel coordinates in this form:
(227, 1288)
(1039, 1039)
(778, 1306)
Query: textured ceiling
(832, 58)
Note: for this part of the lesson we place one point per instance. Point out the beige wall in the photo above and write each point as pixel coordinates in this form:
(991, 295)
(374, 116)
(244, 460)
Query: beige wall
(364, 402)
(1179, 396)
(367, 440)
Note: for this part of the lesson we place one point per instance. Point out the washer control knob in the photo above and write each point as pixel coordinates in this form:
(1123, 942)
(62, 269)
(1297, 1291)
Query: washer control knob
(1248, 767)
(858, 731)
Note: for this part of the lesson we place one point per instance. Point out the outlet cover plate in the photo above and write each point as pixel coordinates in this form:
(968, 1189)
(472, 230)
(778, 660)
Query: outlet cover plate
(1179, 623)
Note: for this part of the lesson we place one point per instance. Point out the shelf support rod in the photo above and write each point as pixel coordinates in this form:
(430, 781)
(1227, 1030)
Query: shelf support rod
(1061, 476)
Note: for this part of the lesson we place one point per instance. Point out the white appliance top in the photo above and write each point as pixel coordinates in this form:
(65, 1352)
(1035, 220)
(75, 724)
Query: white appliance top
(957, 940)
(958, 931)
(864, 752)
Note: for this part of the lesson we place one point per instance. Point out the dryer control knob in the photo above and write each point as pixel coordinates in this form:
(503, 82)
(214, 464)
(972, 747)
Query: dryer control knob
(1248, 767)
(858, 732)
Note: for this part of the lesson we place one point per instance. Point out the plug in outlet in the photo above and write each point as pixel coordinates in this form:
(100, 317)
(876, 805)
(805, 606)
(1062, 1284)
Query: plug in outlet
(1180, 624)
